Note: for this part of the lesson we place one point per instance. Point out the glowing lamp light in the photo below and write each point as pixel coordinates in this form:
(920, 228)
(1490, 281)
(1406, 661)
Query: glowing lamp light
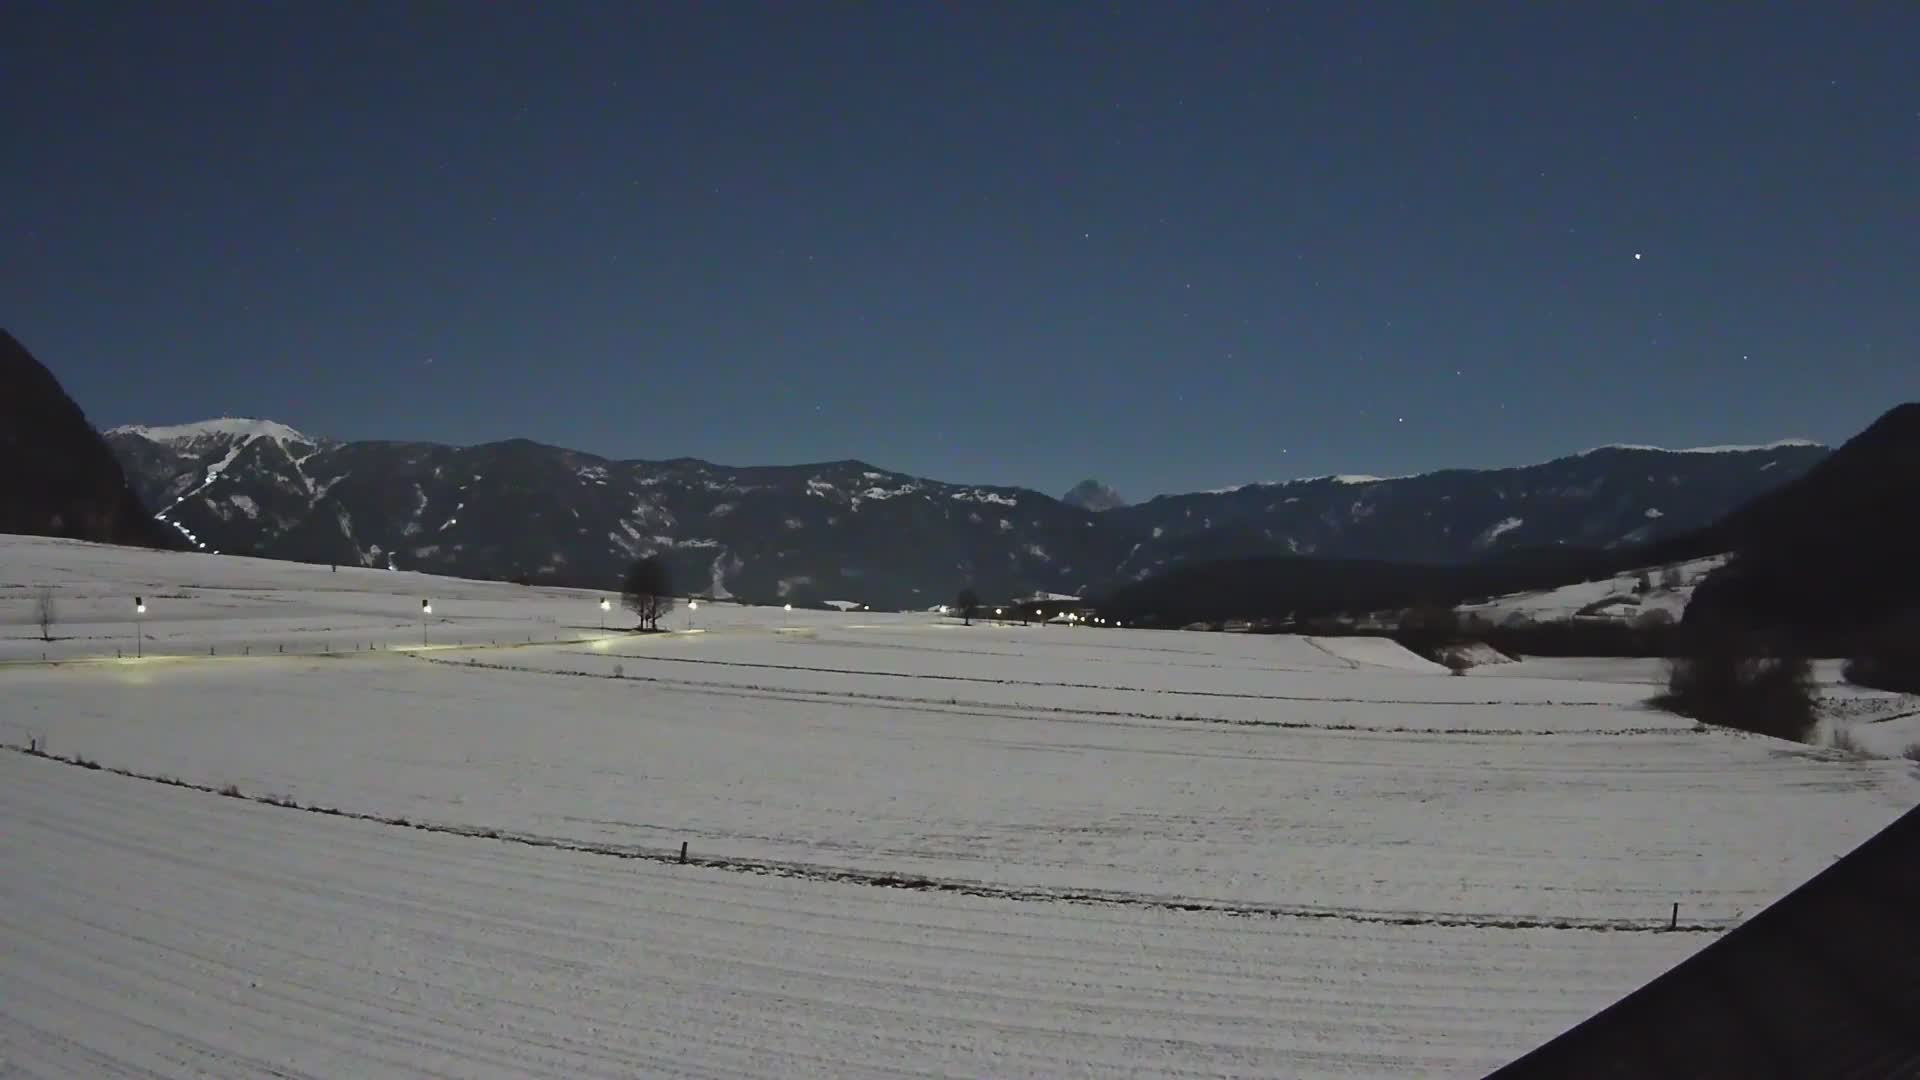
(789, 607)
(426, 607)
(693, 605)
(139, 606)
(604, 605)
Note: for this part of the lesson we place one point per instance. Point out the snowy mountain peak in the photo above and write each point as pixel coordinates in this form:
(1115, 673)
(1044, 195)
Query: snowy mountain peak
(1779, 444)
(241, 428)
(1093, 495)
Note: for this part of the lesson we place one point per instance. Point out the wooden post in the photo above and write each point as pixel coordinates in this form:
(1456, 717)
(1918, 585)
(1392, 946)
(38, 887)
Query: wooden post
(683, 851)
(1675, 924)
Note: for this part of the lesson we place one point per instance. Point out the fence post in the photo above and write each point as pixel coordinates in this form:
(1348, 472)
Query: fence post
(1675, 924)
(683, 851)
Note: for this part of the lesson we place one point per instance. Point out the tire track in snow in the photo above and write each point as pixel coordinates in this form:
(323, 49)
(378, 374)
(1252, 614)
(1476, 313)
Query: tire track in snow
(924, 883)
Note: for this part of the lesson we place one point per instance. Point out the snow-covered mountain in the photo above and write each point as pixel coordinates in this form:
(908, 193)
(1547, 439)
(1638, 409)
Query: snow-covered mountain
(1093, 495)
(834, 530)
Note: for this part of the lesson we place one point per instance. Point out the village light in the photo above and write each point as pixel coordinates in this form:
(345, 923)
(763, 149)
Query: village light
(692, 606)
(426, 609)
(139, 626)
(604, 606)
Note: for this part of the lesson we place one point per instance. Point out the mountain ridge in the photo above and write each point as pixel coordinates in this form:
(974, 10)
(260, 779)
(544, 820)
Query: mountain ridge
(847, 529)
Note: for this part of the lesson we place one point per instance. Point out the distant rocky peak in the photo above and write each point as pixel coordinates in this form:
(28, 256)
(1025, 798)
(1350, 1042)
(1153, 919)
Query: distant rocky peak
(1093, 495)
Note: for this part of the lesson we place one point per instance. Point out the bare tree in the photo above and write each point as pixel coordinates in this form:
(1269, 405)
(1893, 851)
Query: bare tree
(648, 591)
(968, 604)
(45, 612)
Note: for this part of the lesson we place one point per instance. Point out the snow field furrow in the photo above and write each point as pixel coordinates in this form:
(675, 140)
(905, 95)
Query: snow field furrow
(940, 993)
(1420, 826)
(915, 848)
(1061, 684)
(888, 880)
(1023, 701)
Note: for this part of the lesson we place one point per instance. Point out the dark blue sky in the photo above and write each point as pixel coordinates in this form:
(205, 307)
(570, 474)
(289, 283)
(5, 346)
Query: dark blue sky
(1169, 246)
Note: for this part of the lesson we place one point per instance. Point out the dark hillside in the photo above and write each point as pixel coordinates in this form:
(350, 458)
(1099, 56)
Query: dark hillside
(57, 476)
(1834, 553)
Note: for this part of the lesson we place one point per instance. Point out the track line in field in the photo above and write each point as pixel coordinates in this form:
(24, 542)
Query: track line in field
(923, 883)
(792, 693)
(1236, 694)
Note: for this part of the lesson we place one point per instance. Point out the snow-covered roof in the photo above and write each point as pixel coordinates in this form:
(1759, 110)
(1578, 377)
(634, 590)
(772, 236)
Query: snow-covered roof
(231, 426)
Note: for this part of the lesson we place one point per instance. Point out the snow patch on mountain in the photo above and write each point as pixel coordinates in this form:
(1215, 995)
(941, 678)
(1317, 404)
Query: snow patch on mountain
(878, 494)
(1778, 444)
(235, 427)
(1497, 530)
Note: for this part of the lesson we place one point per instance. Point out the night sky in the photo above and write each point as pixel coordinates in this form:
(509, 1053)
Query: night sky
(1173, 247)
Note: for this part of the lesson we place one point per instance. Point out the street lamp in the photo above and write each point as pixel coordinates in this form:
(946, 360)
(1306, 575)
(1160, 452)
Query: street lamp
(692, 606)
(604, 606)
(426, 609)
(139, 626)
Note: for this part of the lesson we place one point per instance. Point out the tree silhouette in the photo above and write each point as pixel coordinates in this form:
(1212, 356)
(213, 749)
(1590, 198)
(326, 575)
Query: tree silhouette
(968, 603)
(648, 591)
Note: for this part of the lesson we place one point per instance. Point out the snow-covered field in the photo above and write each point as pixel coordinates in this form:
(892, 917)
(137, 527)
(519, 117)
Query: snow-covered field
(915, 847)
(1618, 597)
